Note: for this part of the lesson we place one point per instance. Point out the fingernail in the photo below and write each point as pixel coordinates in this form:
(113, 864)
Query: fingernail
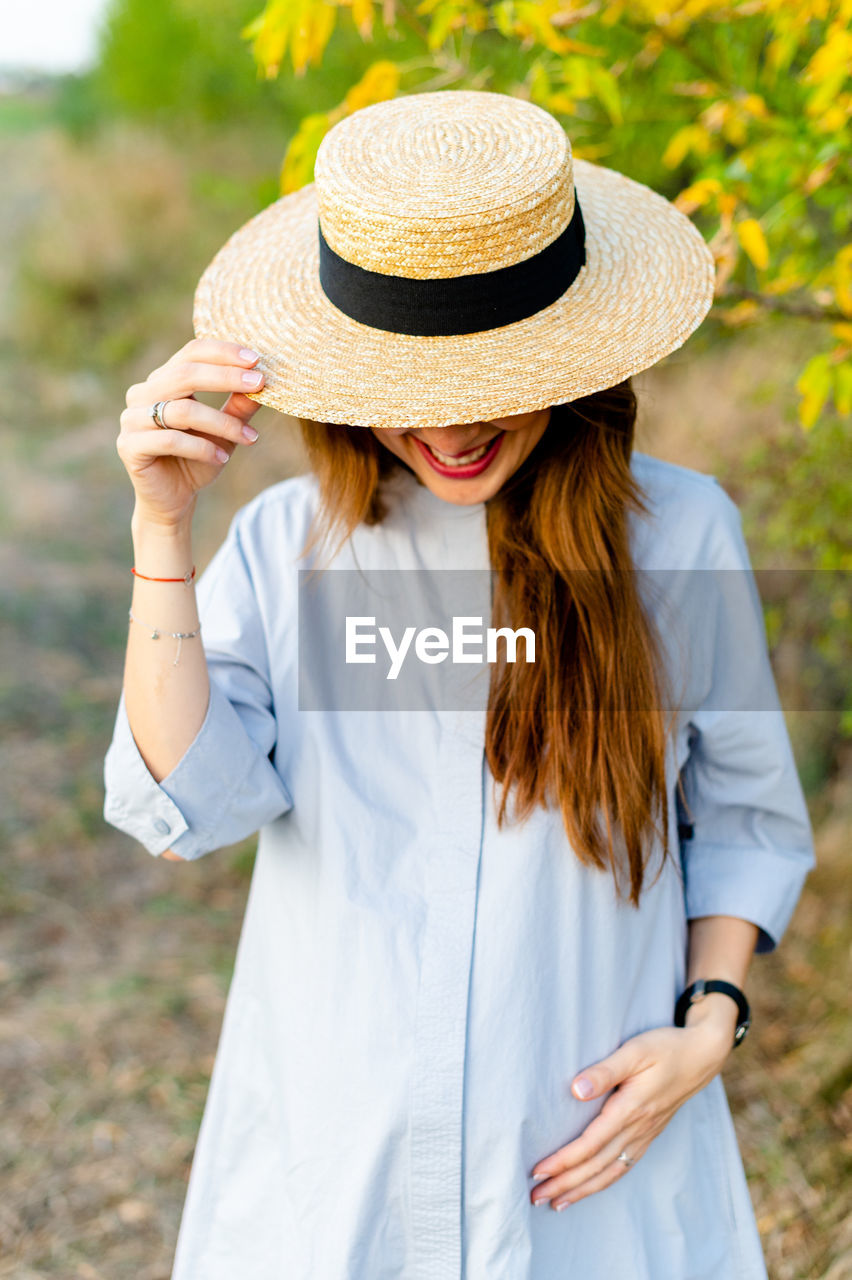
(539, 1177)
(541, 1200)
(584, 1087)
(247, 354)
(222, 455)
(560, 1207)
(252, 377)
(249, 434)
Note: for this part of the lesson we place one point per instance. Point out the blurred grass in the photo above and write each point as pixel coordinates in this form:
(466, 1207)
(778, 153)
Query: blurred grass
(114, 965)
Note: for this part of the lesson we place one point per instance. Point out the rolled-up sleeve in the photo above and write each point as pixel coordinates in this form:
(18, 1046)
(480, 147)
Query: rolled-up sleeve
(226, 785)
(752, 844)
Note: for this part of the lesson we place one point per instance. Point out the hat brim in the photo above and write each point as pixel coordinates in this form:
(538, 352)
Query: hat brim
(646, 286)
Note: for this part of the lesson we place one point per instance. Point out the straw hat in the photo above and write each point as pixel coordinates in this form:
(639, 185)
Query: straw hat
(451, 262)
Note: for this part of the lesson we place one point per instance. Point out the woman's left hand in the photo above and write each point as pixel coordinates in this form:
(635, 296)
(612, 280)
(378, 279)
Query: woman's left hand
(651, 1075)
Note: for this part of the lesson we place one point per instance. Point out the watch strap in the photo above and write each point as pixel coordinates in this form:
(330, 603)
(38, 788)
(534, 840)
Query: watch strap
(707, 986)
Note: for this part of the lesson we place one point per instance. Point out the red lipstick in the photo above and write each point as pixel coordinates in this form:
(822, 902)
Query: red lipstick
(469, 469)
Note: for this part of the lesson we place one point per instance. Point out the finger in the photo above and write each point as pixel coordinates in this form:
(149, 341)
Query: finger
(617, 1112)
(628, 1138)
(603, 1177)
(190, 415)
(175, 381)
(215, 351)
(138, 449)
(626, 1060)
(180, 380)
(241, 406)
(209, 350)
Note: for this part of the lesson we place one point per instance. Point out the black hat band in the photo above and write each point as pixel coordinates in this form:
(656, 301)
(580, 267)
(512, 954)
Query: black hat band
(457, 304)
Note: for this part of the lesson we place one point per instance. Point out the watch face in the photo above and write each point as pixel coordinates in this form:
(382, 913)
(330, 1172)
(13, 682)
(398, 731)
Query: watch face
(740, 1032)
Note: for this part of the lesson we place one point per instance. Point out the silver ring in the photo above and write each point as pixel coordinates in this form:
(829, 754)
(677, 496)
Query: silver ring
(625, 1159)
(157, 412)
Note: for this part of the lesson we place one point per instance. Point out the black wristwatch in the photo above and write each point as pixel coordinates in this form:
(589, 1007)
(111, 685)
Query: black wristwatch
(706, 986)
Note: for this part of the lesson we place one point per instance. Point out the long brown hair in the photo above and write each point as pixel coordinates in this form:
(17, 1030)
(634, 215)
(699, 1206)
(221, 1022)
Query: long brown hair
(582, 726)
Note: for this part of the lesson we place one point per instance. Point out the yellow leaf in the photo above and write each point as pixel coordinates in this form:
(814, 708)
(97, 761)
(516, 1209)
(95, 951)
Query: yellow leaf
(697, 195)
(740, 314)
(814, 387)
(612, 13)
(503, 19)
(561, 103)
(362, 16)
(692, 137)
(310, 36)
(734, 128)
(269, 33)
(532, 22)
(831, 58)
(842, 272)
(751, 237)
(446, 17)
(297, 168)
(754, 105)
(586, 50)
(843, 332)
(594, 151)
(727, 206)
(782, 50)
(379, 82)
(539, 82)
(833, 120)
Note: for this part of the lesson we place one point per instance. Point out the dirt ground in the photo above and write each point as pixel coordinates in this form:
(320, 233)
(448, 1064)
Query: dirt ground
(114, 966)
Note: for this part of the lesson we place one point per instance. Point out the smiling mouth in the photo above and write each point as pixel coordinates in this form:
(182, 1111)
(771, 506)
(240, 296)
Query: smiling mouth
(460, 459)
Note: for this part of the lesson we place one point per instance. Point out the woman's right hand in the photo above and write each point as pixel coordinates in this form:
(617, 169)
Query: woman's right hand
(168, 466)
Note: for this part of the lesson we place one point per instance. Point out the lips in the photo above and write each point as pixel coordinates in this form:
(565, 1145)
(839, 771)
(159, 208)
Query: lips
(461, 466)
(459, 459)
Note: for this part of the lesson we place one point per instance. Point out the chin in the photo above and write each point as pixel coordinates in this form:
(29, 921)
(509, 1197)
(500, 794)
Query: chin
(464, 493)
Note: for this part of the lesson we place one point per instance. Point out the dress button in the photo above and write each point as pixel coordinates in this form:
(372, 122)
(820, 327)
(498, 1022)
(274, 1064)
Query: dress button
(162, 827)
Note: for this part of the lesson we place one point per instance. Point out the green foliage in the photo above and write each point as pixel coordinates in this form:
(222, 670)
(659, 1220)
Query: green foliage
(176, 59)
(175, 63)
(739, 111)
(800, 498)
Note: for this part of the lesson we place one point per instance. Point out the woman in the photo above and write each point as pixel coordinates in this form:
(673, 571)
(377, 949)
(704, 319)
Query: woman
(466, 982)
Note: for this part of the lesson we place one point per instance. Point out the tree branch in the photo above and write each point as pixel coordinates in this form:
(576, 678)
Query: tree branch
(804, 310)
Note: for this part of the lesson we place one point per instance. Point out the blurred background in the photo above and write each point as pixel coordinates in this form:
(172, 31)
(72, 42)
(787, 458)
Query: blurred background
(135, 136)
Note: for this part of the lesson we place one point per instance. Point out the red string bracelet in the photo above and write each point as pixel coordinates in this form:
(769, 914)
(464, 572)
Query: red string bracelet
(187, 578)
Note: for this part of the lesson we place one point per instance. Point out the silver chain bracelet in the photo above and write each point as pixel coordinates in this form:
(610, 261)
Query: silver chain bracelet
(156, 632)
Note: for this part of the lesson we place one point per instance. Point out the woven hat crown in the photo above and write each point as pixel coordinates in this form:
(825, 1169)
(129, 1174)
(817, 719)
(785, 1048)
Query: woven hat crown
(436, 185)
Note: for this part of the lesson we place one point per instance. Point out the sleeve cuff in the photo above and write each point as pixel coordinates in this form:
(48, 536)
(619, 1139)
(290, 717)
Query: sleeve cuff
(754, 883)
(221, 790)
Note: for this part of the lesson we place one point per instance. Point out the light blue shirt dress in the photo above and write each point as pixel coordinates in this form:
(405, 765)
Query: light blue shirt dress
(414, 988)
